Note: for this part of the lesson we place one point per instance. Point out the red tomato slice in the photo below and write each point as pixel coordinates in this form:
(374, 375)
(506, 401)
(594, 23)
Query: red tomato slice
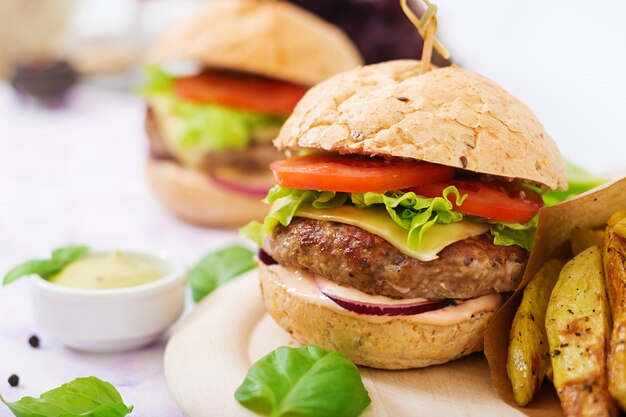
(489, 200)
(241, 91)
(355, 174)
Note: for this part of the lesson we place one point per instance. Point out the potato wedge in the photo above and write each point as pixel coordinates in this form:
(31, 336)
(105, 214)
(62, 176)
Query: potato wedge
(617, 217)
(529, 354)
(581, 239)
(615, 270)
(577, 324)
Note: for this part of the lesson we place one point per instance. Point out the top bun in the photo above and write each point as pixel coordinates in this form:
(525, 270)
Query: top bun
(271, 38)
(449, 116)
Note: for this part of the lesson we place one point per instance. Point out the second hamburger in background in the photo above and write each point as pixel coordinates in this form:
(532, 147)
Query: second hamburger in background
(211, 130)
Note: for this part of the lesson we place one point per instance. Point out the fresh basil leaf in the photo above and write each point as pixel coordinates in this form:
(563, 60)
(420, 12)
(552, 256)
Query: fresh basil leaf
(307, 381)
(69, 254)
(84, 397)
(46, 268)
(38, 266)
(217, 268)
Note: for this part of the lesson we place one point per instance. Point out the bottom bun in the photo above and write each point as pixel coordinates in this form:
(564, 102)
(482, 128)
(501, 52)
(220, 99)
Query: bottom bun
(194, 197)
(393, 343)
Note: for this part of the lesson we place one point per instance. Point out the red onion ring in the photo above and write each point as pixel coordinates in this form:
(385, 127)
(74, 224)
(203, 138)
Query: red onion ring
(266, 258)
(239, 188)
(371, 309)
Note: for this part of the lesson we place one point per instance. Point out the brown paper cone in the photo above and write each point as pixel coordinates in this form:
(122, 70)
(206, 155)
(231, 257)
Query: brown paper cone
(588, 210)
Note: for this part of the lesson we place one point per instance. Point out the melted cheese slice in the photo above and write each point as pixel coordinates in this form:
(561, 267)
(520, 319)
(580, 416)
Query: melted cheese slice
(376, 220)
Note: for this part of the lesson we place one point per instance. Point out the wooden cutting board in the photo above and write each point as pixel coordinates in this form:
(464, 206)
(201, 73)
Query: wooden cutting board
(208, 356)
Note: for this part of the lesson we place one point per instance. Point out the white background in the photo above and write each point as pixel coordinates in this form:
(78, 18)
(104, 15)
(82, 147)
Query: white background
(565, 59)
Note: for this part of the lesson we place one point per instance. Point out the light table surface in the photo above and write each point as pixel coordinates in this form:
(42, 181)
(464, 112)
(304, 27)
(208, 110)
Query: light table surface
(75, 175)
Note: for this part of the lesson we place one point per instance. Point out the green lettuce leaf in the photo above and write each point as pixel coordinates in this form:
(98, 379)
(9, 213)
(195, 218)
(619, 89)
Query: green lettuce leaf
(579, 181)
(414, 213)
(89, 396)
(157, 82)
(217, 268)
(46, 268)
(304, 382)
(286, 202)
(203, 126)
(410, 211)
(520, 234)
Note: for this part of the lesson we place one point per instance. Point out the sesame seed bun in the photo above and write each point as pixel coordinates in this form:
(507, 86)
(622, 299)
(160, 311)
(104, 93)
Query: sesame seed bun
(195, 198)
(449, 116)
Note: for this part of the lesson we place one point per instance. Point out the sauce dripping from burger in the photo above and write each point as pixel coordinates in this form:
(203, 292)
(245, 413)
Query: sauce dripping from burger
(307, 287)
(408, 309)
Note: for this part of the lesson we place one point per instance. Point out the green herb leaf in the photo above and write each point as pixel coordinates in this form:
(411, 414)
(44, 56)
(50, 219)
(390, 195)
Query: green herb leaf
(217, 268)
(307, 381)
(46, 268)
(578, 181)
(85, 397)
(69, 254)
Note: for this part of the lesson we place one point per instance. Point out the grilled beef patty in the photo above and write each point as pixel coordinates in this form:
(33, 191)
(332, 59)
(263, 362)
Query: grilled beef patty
(353, 257)
(156, 143)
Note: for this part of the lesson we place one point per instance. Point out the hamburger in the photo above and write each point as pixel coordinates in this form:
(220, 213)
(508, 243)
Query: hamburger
(406, 211)
(220, 84)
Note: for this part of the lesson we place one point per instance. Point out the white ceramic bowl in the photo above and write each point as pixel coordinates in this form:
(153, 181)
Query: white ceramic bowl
(112, 320)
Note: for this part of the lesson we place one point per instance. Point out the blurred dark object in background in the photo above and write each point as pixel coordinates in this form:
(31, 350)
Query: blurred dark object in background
(45, 80)
(378, 27)
(30, 28)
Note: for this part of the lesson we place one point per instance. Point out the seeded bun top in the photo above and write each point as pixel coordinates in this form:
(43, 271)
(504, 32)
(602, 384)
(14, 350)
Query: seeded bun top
(449, 116)
(271, 38)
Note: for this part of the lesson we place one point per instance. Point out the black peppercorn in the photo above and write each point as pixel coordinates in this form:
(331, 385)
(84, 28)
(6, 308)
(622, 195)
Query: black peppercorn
(34, 341)
(14, 380)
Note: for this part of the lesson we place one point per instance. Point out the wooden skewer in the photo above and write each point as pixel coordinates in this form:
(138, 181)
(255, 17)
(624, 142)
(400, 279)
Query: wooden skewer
(427, 51)
(427, 27)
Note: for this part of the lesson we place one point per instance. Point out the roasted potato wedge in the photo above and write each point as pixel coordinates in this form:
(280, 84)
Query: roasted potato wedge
(617, 217)
(615, 270)
(577, 325)
(529, 357)
(581, 239)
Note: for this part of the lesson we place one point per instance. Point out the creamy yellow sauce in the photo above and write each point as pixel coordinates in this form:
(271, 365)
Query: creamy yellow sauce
(102, 272)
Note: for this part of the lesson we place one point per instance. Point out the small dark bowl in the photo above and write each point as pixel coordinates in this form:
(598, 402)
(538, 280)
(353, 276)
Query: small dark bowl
(44, 80)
